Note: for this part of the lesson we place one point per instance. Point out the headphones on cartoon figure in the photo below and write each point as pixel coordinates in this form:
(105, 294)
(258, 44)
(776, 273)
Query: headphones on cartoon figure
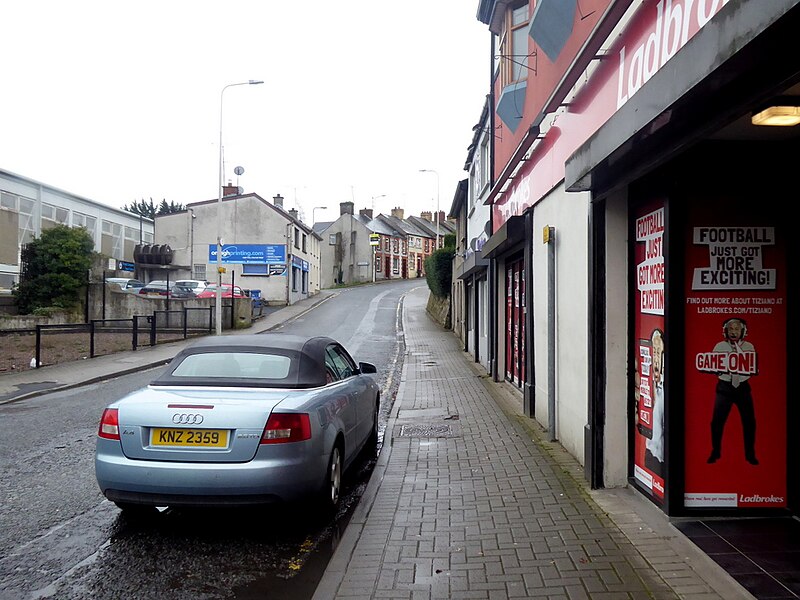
(727, 321)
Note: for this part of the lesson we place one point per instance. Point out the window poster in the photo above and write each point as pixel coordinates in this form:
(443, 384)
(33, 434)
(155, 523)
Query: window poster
(735, 426)
(650, 343)
(509, 322)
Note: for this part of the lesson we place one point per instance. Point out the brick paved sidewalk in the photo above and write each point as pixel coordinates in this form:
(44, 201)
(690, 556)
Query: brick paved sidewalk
(469, 501)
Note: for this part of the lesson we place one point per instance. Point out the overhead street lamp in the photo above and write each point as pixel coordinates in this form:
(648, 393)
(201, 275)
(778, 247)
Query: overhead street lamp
(437, 201)
(314, 213)
(219, 209)
(375, 198)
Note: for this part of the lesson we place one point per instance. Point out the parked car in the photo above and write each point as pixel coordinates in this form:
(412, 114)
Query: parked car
(187, 288)
(228, 291)
(127, 285)
(242, 419)
(155, 288)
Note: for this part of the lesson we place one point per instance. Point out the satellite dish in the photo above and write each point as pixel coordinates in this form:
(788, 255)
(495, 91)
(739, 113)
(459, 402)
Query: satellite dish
(240, 190)
(239, 170)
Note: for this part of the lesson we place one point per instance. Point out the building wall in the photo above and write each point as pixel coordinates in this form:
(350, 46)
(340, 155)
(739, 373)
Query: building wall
(354, 259)
(115, 231)
(9, 226)
(615, 468)
(568, 214)
(245, 220)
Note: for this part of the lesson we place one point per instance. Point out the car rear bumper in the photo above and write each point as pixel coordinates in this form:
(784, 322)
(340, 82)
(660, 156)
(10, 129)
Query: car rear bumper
(259, 481)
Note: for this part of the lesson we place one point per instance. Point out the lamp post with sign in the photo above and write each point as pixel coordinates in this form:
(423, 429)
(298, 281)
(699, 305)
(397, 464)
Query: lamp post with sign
(220, 268)
(374, 241)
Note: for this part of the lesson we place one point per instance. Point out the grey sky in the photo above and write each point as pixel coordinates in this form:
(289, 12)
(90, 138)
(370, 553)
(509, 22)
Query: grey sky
(119, 101)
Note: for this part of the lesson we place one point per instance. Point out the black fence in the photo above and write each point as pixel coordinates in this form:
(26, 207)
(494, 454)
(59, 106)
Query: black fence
(99, 337)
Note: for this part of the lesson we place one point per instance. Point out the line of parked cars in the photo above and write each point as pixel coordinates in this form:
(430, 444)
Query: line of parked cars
(181, 288)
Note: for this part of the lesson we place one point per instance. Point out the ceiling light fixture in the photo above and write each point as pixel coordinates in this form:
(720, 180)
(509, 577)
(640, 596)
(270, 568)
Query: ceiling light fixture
(782, 112)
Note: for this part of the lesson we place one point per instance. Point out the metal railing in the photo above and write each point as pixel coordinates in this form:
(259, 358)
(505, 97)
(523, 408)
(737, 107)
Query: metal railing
(106, 336)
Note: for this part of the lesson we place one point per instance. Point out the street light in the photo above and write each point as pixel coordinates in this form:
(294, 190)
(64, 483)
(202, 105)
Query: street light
(437, 201)
(375, 198)
(219, 209)
(314, 213)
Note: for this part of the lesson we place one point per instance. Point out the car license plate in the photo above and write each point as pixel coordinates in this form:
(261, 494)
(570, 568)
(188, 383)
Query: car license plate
(203, 438)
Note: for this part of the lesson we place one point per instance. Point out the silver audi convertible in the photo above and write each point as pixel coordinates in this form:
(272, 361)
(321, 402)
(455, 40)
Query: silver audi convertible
(237, 420)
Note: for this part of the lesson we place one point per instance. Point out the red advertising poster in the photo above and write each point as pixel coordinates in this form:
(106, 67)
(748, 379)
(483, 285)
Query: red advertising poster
(517, 315)
(509, 322)
(522, 315)
(650, 346)
(735, 361)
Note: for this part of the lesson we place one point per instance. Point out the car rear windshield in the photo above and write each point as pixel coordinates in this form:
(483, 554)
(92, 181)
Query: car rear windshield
(233, 365)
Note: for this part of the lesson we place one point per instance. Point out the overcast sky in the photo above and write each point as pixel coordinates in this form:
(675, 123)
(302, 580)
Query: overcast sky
(120, 101)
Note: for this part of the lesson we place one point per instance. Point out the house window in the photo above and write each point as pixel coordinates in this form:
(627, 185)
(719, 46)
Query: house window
(332, 239)
(514, 46)
(85, 221)
(199, 272)
(395, 265)
(8, 201)
(55, 214)
(296, 238)
(27, 229)
(377, 264)
(112, 239)
(386, 244)
(304, 242)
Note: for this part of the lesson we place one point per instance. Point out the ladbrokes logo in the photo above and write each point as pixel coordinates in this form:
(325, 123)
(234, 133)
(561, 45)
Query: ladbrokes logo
(758, 499)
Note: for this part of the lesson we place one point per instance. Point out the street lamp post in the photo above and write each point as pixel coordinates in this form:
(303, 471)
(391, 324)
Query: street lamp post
(437, 201)
(219, 208)
(314, 213)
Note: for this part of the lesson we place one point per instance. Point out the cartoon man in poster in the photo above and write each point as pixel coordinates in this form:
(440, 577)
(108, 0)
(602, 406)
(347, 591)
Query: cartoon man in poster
(733, 360)
(649, 396)
(654, 452)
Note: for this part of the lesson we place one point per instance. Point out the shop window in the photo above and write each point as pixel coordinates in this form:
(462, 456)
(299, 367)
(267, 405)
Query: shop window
(254, 269)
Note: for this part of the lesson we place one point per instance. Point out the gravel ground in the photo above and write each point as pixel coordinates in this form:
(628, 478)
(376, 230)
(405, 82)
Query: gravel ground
(19, 349)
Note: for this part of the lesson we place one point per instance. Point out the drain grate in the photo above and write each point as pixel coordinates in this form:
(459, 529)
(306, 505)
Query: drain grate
(411, 430)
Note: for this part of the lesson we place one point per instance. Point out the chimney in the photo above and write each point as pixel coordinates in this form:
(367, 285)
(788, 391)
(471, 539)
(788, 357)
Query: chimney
(398, 212)
(278, 200)
(345, 208)
(426, 215)
(230, 190)
(293, 213)
(366, 212)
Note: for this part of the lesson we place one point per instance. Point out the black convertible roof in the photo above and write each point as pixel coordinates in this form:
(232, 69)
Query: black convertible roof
(307, 356)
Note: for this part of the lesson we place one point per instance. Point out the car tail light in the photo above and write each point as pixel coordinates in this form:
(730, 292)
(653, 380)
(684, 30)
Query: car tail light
(286, 427)
(109, 424)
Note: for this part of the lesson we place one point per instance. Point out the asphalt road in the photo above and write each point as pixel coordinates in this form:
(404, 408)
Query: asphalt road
(60, 539)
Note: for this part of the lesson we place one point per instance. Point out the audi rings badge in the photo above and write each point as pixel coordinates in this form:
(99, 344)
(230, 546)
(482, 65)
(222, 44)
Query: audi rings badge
(187, 418)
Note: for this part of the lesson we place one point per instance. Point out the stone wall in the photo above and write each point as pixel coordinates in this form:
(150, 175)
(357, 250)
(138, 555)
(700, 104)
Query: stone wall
(439, 309)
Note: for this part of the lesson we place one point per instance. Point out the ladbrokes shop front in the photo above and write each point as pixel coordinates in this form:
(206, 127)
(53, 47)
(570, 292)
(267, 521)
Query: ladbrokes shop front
(668, 140)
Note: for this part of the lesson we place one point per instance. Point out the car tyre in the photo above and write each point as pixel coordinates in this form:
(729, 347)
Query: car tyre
(372, 441)
(332, 487)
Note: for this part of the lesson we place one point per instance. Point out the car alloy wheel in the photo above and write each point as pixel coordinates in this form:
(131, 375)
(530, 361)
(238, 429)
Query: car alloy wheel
(334, 479)
(373, 435)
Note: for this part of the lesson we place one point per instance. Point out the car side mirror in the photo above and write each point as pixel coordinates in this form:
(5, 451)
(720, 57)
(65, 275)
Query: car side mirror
(367, 368)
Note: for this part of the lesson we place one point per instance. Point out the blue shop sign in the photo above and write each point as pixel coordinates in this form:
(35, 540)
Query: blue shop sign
(248, 254)
(297, 262)
(305, 265)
